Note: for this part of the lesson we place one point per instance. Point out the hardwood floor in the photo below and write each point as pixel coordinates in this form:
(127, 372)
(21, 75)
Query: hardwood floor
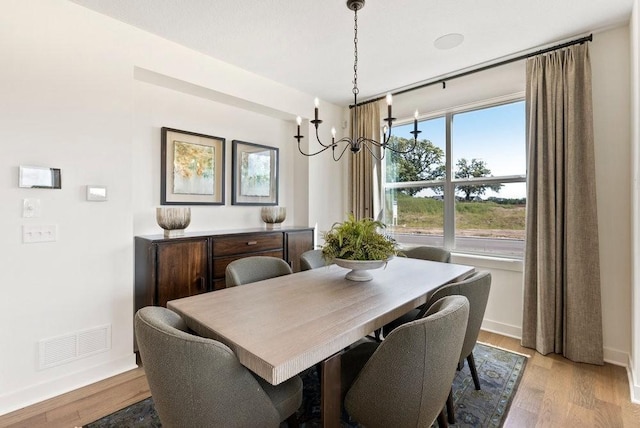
(554, 392)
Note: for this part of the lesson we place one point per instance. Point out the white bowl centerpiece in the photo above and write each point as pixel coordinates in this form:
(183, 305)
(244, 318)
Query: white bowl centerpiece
(359, 246)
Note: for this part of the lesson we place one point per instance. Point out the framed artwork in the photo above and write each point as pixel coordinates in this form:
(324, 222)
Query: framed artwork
(192, 168)
(255, 174)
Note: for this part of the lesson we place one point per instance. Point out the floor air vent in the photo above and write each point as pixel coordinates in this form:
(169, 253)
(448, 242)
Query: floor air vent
(70, 347)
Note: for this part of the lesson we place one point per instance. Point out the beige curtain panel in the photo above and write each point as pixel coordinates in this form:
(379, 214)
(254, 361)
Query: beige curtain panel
(562, 308)
(365, 169)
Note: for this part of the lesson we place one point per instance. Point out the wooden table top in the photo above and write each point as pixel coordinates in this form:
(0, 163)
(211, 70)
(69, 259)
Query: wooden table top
(281, 326)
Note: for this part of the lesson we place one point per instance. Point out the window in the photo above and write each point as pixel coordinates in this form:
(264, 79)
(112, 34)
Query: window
(464, 186)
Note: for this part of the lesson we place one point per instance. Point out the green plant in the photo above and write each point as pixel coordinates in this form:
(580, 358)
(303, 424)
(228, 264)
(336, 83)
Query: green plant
(358, 240)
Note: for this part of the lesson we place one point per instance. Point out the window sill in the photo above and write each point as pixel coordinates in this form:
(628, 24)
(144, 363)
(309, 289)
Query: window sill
(488, 262)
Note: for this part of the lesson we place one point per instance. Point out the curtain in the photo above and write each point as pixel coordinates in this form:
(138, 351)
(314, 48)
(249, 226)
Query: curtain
(562, 308)
(365, 168)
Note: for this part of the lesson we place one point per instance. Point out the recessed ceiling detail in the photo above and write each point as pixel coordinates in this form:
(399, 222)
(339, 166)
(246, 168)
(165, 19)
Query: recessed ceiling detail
(448, 41)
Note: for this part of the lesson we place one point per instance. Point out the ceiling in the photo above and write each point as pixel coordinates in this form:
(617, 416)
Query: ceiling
(308, 44)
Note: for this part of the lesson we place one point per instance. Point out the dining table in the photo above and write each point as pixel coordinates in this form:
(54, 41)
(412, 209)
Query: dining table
(280, 327)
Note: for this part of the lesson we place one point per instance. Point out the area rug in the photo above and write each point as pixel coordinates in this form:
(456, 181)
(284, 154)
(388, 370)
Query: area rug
(500, 372)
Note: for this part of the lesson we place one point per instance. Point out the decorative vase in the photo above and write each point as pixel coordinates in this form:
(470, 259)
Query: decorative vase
(273, 216)
(359, 268)
(174, 220)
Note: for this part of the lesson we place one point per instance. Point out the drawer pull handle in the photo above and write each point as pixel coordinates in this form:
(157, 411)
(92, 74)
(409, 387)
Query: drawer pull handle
(252, 242)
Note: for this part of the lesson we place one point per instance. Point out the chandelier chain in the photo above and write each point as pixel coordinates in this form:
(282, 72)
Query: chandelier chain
(357, 141)
(355, 53)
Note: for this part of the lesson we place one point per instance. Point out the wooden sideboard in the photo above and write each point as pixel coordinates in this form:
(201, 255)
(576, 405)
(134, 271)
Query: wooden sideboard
(171, 268)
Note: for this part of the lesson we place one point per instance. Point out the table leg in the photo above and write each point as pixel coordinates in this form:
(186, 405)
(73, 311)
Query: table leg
(330, 394)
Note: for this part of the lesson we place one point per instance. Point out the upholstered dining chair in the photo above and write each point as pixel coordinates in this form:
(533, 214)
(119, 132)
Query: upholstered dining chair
(312, 259)
(255, 268)
(476, 289)
(404, 380)
(423, 252)
(199, 382)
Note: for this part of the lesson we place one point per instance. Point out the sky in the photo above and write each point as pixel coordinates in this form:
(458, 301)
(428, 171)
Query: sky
(495, 135)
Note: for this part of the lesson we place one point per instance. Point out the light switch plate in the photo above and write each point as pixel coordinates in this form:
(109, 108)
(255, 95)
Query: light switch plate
(31, 208)
(32, 234)
(96, 193)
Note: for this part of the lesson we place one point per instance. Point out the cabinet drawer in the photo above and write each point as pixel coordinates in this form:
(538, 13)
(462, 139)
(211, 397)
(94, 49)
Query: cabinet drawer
(220, 264)
(243, 244)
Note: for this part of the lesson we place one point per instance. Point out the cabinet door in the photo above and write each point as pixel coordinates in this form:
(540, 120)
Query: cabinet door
(182, 270)
(296, 244)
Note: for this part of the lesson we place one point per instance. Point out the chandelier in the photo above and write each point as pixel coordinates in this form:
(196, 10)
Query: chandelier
(356, 143)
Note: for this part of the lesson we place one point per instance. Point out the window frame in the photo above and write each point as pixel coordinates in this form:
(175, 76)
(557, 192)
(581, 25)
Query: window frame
(450, 182)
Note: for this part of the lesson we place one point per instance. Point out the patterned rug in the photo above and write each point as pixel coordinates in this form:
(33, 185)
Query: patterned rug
(500, 372)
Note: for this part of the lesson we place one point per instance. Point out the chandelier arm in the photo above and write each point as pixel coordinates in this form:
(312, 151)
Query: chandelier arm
(386, 146)
(370, 141)
(343, 150)
(312, 154)
(404, 152)
(326, 146)
(366, 146)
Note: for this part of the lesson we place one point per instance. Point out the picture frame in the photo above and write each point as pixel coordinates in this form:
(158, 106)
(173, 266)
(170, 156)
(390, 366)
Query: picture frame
(255, 174)
(192, 168)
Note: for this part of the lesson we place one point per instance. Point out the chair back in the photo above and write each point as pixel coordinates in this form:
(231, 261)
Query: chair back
(407, 380)
(255, 268)
(476, 289)
(312, 259)
(424, 252)
(195, 381)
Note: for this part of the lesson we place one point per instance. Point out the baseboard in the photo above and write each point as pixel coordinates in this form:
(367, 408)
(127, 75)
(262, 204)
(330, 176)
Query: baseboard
(616, 357)
(26, 397)
(634, 388)
(612, 356)
(502, 328)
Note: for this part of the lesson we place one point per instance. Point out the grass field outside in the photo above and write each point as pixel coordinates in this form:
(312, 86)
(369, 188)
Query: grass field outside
(485, 219)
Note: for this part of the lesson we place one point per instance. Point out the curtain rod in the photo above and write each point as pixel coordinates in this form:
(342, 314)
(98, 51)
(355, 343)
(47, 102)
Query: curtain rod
(581, 40)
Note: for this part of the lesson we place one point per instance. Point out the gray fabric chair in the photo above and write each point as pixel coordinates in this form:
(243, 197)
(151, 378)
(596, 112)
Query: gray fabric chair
(312, 259)
(199, 382)
(475, 288)
(423, 252)
(404, 380)
(255, 268)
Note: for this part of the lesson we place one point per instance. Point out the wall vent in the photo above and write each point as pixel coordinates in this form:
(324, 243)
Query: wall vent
(73, 346)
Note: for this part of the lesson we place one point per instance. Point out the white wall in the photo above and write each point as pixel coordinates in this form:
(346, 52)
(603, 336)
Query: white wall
(87, 94)
(635, 199)
(610, 71)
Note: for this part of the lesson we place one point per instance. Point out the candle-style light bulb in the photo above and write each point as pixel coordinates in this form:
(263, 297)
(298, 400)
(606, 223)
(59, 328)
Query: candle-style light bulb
(333, 135)
(299, 121)
(385, 129)
(415, 115)
(317, 103)
(415, 124)
(389, 115)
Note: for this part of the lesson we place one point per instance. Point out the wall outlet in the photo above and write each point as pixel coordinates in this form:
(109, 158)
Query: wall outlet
(39, 233)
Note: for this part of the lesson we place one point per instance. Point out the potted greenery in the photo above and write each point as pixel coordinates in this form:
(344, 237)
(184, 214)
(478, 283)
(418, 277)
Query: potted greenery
(358, 245)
